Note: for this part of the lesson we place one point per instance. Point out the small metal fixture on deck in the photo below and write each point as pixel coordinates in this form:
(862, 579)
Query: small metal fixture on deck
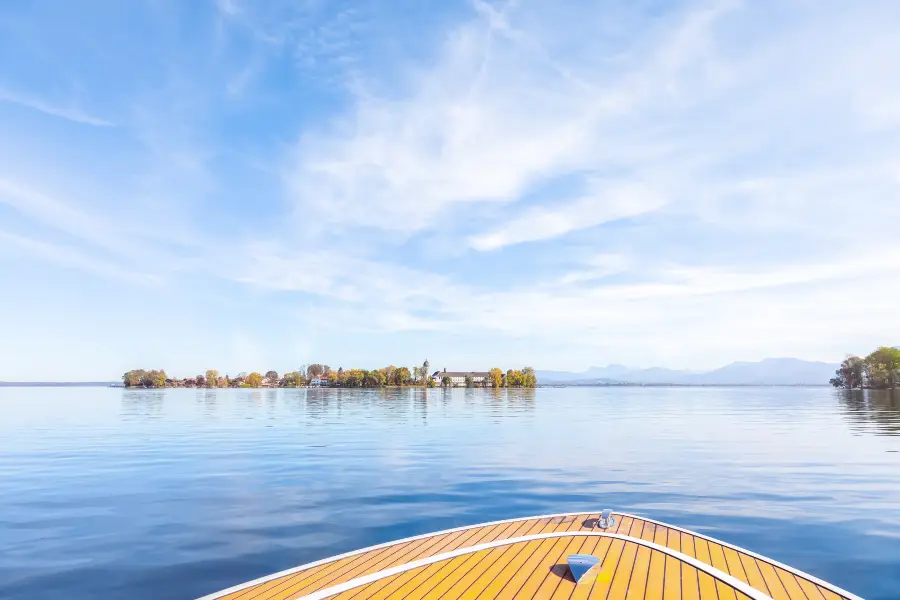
(606, 519)
(580, 564)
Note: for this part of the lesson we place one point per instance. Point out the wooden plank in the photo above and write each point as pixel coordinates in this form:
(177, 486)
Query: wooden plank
(649, 531)
(623, 525)
(657, 575)
(791, 586)
(672, 579)
(717, 554)
(622, 579)
(511, 577)
(704, 580)
(348, 572)
(734, 565)
(277, 586)
(567, 585)
(690, 584)
(518, 579)
(557, 572)
(673, 539)
(660, 534)
(638, 583)
(829, 595)
(511, 531)
(583, 590)
(776, 588)
(604, 579)
(542, 570)
(442, 579)
(753, 573)
(464, 579)
(385, 588)
(515, 566)
(490, 574)
(637, 527)
(811, 590)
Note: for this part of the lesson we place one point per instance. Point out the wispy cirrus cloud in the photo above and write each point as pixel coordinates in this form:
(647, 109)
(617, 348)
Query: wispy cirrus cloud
(68, 113)
(604, 203)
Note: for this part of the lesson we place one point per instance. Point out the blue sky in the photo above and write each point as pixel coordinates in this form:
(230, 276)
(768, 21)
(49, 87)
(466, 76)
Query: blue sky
(249, 184)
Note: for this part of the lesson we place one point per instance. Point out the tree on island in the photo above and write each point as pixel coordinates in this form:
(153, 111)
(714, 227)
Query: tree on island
(496, 377)
(879, 370)
(212, 377)
(254, 380)
(293, 380)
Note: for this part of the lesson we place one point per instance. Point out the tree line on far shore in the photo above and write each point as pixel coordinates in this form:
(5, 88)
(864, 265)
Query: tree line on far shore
(880, 370)
(318, 374)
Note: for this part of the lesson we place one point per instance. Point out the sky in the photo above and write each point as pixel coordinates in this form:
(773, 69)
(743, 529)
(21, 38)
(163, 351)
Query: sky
(259, 184)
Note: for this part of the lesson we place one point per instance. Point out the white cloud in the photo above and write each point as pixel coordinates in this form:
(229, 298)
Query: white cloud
(68, 113)
(608, 201)
(72, 257)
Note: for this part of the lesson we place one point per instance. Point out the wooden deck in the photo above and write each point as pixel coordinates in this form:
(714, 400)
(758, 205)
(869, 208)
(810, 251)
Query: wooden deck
(641, 560)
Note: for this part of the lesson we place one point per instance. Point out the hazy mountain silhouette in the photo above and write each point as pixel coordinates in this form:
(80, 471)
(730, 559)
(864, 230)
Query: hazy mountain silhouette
(770, 371)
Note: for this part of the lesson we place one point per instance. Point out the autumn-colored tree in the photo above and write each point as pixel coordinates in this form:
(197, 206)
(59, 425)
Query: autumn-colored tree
(134, 378)
(353, 378)
(402, 376)
(496, 377)
(882, 367)
(211, 377)
(221, 382)
(293, 379)
(529, 378)
(254, 379)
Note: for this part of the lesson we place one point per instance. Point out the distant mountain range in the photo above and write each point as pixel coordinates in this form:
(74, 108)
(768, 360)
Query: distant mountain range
(770, 371)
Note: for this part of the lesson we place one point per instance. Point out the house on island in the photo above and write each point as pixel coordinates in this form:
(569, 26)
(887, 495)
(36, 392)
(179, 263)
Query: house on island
(318, 381)
(458, 378)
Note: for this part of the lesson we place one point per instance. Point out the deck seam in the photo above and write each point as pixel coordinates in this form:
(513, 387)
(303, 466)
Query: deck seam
(633, 564)
(615, 570)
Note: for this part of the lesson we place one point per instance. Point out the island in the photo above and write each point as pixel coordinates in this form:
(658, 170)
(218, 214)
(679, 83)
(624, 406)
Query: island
(319, 375)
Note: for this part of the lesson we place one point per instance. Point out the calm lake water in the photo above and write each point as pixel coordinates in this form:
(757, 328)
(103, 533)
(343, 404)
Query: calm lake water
(174, 494)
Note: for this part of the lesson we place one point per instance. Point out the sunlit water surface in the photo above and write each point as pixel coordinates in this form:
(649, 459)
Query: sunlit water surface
(106, 493)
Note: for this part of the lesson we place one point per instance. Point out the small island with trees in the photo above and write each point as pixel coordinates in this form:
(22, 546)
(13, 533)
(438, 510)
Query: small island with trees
(880, 370)
(319, 375)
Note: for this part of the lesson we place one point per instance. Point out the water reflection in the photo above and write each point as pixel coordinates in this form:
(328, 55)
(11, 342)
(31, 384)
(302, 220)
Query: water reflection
(142, 404)
(187, 491)
(872, 411)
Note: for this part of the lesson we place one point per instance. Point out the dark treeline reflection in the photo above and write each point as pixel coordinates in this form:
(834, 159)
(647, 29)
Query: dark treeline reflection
(872, 411)
(329, 404)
